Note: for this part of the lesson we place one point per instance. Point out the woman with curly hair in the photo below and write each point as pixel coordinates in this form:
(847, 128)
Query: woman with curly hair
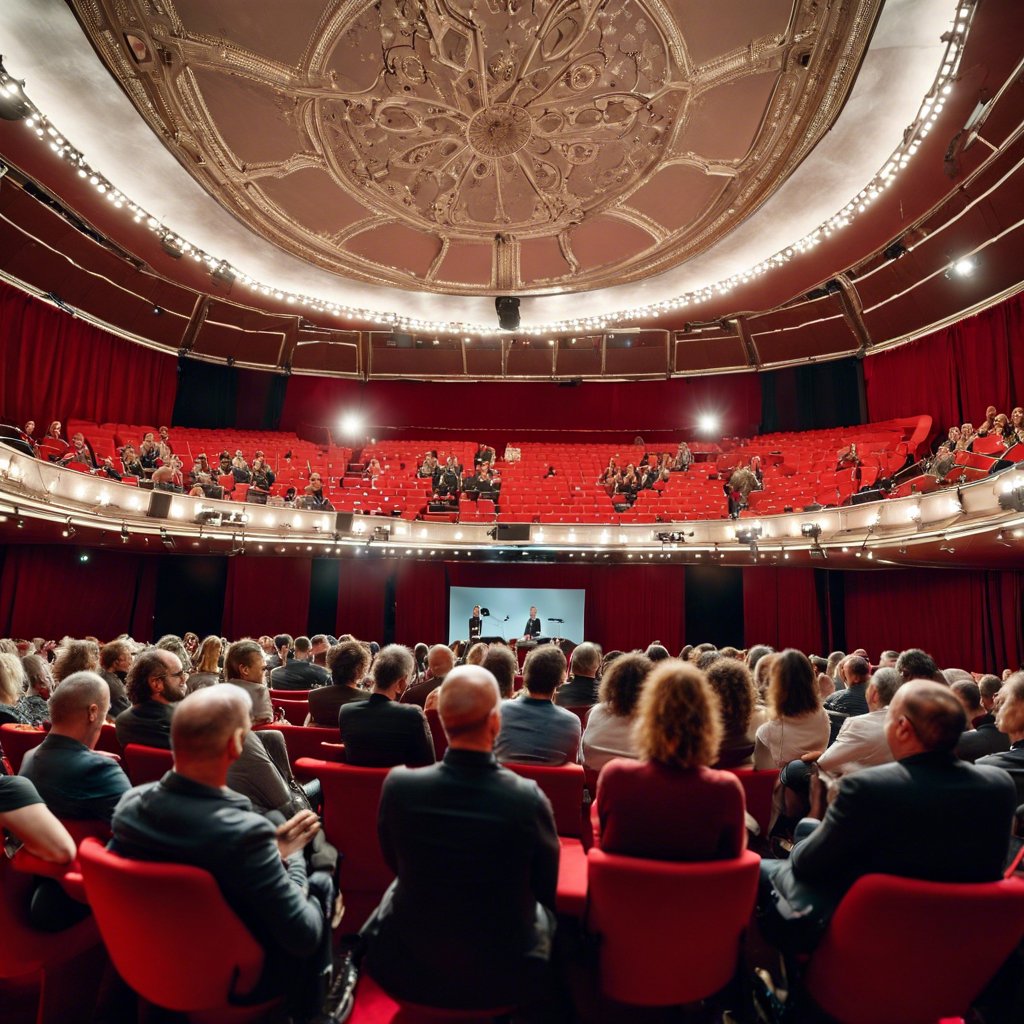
(75, 656)
(733, 683)
(609, 731)
(670, 805)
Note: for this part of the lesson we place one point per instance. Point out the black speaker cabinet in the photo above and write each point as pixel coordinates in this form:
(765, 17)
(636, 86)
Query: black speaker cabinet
(159, 504)
(343, 522)
(510, 532)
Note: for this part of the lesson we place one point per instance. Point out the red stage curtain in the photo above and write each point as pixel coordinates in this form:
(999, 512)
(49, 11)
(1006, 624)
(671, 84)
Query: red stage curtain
(781, 609)
(48, 592)
(501, 411)
(964, 619)
(421, 603)
(266, 596)
(362, 596)
(955, 373)
(56, 367)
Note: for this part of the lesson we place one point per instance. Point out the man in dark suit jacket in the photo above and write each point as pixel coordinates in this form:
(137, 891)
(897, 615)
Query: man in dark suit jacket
(156, 684)
(347, 662)
(981, 736)
(580, 690)
(381, 732)
(191, 817)
(476, 857)
(927, 815)
(475, 623)
(440, 661)
(73, 780)
(533, 627)
(299, 673)
(1010, 722)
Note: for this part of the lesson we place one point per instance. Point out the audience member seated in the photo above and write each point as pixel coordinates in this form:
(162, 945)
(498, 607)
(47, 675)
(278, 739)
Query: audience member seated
(678, 730)
(1010, 722)
(314, 498)
(75, 656)
(284, 646)
(73, 780)
(299, 673)
(533, 729)
(581, 689)
(914, 663)
(981, 736)
(797, 723)
(928, 816)
(115, 661)
(244, 667)
(206, 664)
(347, 663)
(469, 920)
(192, 817)
(156, 683)
(25, 817)
(853, 699)
(440, 661)
(502, 663)
(12, 689)
(32, 706)
(732, 682)
(380, 732)
(609, 732)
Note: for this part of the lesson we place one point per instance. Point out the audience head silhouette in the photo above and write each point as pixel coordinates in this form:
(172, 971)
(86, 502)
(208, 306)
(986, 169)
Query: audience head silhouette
(924, 717)
(469, 708)
(78, 707)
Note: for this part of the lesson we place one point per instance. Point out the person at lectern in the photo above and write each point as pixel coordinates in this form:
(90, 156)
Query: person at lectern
(532, 630)
(475, 623)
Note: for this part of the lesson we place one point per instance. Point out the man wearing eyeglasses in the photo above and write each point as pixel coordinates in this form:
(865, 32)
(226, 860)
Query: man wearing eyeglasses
(155, 684)
(927, 815)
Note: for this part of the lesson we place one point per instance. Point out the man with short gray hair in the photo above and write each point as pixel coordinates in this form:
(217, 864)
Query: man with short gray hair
(73, 780)
(580, 691)
(381, 732)
(115, 661)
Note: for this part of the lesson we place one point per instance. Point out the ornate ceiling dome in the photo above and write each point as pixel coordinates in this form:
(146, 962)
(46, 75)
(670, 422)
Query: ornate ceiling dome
(487, 145)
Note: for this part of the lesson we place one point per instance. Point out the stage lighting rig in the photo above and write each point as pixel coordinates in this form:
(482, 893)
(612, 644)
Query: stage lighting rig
(748, 534)
(810, 530)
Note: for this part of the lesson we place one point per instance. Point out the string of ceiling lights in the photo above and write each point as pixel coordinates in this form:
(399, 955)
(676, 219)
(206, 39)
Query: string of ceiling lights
(13, 91)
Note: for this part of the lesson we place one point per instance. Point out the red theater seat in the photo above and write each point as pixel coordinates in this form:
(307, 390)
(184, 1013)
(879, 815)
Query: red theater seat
(909, 952)
(758, 787)
(295, 711)
(146, 764)
(18, 740)
(303, 740)
(564, 788)
(374, 1006)
(669, 932)
(212, 956)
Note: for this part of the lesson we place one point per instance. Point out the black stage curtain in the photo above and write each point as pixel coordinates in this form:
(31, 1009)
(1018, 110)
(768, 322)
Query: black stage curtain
(815, 396)
(190, 595)
(714, 613)
(207, 394)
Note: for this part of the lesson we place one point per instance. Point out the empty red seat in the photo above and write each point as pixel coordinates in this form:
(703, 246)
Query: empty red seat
(146, 764)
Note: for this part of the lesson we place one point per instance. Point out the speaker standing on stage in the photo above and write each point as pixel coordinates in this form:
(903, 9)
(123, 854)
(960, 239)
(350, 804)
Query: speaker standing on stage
(475, 623)
(533, 629)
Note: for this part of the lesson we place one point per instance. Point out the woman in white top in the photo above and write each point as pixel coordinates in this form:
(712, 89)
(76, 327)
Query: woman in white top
(797, 723)
(609, 731)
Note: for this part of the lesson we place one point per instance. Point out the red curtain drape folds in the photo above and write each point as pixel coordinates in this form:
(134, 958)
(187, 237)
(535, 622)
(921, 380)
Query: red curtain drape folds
(54, 367)
(955, 373)
(781, 609)
(363, 585)
(266, 596)
(965, 619)
(49, 592)
(528, 410)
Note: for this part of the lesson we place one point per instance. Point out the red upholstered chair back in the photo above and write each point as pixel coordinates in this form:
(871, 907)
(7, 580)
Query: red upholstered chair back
(563, 786)
(210, 954)
(146, 764)
(910, 952)
(303, 740)
(669, 932)
(17, 741)
(295, 711)
(351, 797)
(582, 713)
(108, 739)
(757, 788)
(290, 694)
(437, 733)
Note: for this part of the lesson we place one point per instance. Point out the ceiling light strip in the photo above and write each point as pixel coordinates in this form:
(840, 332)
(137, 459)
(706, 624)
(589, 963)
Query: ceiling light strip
(928, 113)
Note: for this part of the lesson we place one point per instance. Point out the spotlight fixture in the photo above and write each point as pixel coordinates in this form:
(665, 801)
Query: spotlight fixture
(748, 534)
(708, 423)
(676, 537)
(810, 530)
(166, 539)
(507, 308)
(124, 533)
(895, 250)
(69, 530)
(351, 424)
(84, 556)
(964, 267)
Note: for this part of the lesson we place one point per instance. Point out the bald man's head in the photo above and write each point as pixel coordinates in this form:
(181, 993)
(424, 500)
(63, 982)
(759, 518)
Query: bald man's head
(468, 706)
(206, 720)
(440, 660)
(932, 712)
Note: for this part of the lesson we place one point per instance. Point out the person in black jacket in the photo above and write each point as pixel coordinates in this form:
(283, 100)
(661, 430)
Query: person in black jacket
(475, 623)
(380, 732)
(475, 853)
(532, 628)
